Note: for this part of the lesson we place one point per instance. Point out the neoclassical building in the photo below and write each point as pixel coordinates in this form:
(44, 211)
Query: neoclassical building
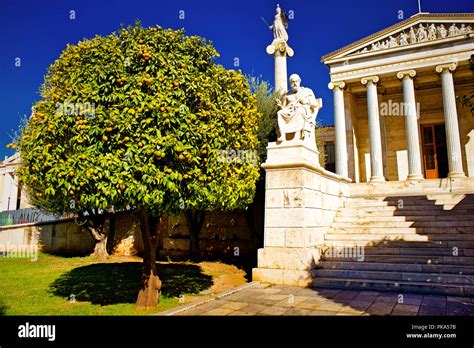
(398, 101)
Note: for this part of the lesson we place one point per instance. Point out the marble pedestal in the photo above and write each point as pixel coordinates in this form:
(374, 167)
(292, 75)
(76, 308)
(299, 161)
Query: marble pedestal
(301, 200)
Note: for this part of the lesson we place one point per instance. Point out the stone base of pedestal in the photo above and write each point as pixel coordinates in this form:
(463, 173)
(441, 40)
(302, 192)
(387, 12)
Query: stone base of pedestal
(301, 201)
(283, 277)
(286, 265)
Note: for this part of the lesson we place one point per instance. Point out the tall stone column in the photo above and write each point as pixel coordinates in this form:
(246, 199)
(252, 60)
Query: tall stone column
(280, 50)
(451, 120)
(411, 125)
(340, 128)
(376, 163)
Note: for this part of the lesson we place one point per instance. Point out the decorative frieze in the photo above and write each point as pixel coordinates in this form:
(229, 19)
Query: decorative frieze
(417, 34)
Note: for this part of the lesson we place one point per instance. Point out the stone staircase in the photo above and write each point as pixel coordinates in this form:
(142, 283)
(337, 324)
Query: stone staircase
(401, 243)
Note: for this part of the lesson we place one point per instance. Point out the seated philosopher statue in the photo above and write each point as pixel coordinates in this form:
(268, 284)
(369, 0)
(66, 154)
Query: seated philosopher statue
(298, 111)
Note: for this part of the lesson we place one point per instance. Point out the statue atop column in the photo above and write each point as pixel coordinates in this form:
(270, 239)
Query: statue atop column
(280, 24)
(279, 49)
(298, 111)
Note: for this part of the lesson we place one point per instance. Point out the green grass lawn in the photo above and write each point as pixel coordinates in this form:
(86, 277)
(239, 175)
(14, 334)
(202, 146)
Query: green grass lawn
(49, 285)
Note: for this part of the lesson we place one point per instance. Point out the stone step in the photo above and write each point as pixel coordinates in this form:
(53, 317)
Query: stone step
(375, 218)
(385, 249)
(399, 267)
(368, 223)
(469, 206)
(374, 230)
(375, 236)
(409, 204)
(399, 286)
(409, 214)
(451, 223)
(444, 278)
(418, 230)
(412, 218)
(412, 259)
(464, 244)
(468, 198)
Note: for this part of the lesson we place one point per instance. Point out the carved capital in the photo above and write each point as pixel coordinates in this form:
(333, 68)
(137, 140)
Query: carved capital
(406, 74)
(446, 67)
(373, 79)
(279, 45)
(336, 84)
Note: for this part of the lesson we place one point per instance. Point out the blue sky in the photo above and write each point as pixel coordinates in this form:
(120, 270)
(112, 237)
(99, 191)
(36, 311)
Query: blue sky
(37, 31)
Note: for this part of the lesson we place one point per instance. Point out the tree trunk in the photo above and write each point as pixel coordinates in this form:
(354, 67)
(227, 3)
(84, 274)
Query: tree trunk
(110, 245)
(149, 294)
(100, 248)
(95, 226)
(195, 219)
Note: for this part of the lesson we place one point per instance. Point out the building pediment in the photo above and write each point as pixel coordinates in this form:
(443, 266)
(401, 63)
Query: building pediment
(423, 29)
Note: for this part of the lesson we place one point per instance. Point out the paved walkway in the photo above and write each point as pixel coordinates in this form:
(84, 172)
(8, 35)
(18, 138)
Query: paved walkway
(265, 299)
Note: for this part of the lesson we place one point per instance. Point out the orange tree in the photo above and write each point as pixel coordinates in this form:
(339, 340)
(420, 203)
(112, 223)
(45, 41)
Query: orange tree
(140, 120)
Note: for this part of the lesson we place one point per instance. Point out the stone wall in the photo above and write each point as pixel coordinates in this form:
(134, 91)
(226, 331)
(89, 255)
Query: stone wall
(64, 237)
(224, 235)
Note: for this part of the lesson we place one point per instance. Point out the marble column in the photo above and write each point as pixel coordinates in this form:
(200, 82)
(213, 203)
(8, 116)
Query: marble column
(281, 81)
(411, 125)
(376, 162)
(340, 128)
(451, 120)
(280, 50)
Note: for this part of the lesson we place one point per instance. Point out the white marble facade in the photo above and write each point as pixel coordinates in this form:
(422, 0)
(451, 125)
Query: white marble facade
(423, 63)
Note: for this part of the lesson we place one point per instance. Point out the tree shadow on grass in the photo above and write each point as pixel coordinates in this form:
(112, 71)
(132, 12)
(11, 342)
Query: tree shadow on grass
(3, 309)
(113, 283)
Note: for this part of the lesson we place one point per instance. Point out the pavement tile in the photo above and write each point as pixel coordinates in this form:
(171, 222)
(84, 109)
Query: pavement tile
(264, 299)
(331, 307)
(328, 293)
(273, 310)
(296, 311)
(276, 297)
(262, 286)
(380, 308)
(271, 290)
(240, 313)
(412, 299)
(234, 305)
(431, 310)
(369, 293)
(253, 308)
(360, 305)
(218, 311)
(307, 305)
(322, 313)
(361, 297)
(346, 296)
(433, 300)
(402, 307)
(459, 308)
(403, 313)
(350, 310)
(291, 301)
